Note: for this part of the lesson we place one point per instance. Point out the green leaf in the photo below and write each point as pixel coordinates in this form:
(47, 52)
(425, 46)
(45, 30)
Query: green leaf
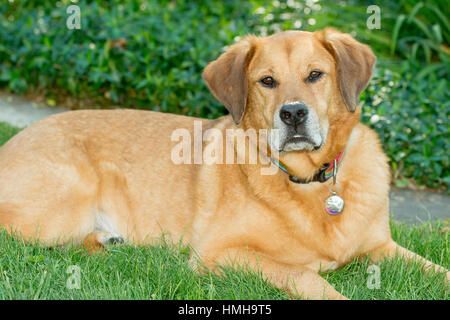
(398, 24)
(429, 69)
(414, 11)
(401, 183)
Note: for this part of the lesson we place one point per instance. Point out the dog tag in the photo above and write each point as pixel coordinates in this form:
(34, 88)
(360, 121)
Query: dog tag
(334, 204)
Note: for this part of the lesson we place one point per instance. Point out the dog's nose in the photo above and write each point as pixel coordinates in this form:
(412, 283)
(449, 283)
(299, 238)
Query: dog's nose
(293, 114)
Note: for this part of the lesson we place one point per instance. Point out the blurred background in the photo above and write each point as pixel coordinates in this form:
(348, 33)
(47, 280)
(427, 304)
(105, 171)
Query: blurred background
(149, 54)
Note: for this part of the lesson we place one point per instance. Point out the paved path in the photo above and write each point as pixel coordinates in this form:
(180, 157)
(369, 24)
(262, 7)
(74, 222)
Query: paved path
(407, 206)
(414, 207)
(19, 112)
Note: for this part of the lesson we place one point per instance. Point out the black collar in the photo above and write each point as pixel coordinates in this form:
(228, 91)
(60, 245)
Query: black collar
(324, 173)
(318, 177)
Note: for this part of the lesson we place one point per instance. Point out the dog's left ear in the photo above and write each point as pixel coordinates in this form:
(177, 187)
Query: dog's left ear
(226, 77)
(354, 64)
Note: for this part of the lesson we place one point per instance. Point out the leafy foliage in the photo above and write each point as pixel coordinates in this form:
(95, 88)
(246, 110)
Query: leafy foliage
(422, 30)
(146, 54)
(410, 110)
(140, 54)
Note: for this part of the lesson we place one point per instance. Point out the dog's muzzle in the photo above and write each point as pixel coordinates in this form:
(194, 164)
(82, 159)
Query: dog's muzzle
(299, 128)
(294, 115)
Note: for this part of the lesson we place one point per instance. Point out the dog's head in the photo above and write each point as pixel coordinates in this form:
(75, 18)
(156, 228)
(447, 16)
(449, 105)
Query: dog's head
(297, 82)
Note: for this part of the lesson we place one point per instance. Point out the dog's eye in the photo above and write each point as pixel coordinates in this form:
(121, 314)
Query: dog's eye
(314, 75)
(268, 82)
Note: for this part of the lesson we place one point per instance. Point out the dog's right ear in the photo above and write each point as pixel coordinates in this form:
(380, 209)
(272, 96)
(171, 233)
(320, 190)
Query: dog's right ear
(226, 77)
(355, 63)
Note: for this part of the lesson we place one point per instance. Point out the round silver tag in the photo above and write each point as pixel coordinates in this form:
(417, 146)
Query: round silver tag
(334, 204)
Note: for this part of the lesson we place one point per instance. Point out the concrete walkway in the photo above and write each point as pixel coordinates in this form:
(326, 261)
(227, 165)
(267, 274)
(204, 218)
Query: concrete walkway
(19, 112)
(415, 207)
(412, 207)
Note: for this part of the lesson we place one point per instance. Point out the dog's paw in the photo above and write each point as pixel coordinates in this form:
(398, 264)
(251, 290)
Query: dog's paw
(110, 238)
(115, 240)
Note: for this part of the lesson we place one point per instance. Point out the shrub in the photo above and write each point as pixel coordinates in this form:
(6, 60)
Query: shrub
(410, 110)
(139, 54)
(144, 54)
(422, 30)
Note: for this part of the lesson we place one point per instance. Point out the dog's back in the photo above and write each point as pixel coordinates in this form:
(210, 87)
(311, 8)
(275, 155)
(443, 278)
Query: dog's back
(86, 171)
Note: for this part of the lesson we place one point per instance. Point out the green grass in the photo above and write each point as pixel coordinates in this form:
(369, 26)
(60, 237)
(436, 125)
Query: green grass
(162, 271)
(400, 279)
(6, 132)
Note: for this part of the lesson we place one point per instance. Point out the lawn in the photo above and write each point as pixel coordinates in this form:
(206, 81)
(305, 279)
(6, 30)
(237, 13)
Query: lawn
(6, 132)
(162, 271)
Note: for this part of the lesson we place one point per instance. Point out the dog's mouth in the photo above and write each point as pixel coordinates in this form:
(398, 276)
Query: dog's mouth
(300, 142)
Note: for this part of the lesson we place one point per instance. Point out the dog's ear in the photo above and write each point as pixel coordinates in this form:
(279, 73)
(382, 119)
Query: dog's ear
(354, 64)
(226, 77)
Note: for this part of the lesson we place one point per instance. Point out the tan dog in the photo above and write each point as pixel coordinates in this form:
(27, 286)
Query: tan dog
(95, 177)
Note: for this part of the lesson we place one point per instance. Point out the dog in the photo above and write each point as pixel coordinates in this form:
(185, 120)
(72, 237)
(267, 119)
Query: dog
(95, 177)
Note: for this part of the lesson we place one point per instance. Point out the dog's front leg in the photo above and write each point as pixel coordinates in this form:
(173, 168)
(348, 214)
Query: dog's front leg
(300, 282)
(391, 249)
(296, 281)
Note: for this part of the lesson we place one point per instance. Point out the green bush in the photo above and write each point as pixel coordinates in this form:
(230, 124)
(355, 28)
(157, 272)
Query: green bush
(410, 110)
(138, 54)
(146, 54)
(422, 30)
